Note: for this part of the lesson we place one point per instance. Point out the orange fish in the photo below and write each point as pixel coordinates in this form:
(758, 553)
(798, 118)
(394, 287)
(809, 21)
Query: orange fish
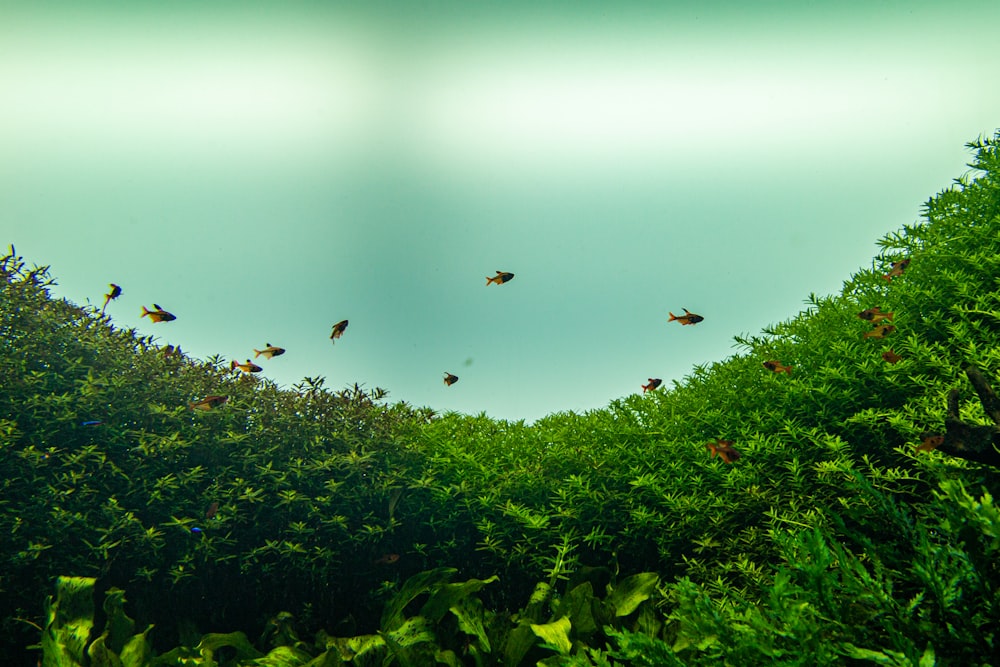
(880, 331)
(212, 510)
(500, 278)
(387, 559)
(115, 292)
(653, 384)
(269, 351)
(897, 269)
(208, 403)
(724, 450)
(687, 318)
(874, 315)
(930, 441)
(891, 356)
(248, 367)
(158, 315)
(450, 379)
(338, 329)
(776, 367)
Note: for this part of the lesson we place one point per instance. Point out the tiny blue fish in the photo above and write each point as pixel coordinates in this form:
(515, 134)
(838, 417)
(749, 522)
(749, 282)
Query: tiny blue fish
(196, 530)
(91, 423)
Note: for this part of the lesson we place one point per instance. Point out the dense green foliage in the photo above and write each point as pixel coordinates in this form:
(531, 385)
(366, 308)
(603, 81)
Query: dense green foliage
(829, 541)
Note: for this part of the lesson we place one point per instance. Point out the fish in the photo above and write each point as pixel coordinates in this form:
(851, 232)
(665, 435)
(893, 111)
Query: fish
(897, 269)
(930, 441)
(158, 315)
(450, 379)
(687, 318)
(500, 278)
(196, 530)
(874, 315)
(212, 510)
(115, 292)
(776, 366)
(248, 367)
(891, 356)
(338, 329)
(92, 422)
(653, 384)
(386, 559)
(269, 351)
(880, 331)
(724, 450)
(208, 403)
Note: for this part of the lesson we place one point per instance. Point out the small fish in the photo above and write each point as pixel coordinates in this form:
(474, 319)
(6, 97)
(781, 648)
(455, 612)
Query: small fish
(450, 379)
(387, 559)
(158, 315)
(775, 366)
(269, 351)
(115, 292)
(338, 329)
(500, 278)
(724, 450)
(880, 331)
(208, 403)
(248, 367)
(874, 315)
(687, 318)
(91, 423)
(891, 356)
(196, 530)
(653, 384)
(212, 510)
(930, 441)
(897, 269)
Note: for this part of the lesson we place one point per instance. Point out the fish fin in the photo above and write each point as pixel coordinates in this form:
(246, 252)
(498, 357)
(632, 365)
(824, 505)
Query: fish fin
(672, 316)
(257, 353)
(788, 370)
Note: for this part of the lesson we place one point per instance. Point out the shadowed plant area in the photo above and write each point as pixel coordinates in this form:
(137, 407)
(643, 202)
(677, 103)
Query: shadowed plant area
(839, 511)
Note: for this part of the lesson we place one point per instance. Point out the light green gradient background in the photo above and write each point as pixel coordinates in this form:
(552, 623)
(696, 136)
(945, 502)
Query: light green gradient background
(263, 170)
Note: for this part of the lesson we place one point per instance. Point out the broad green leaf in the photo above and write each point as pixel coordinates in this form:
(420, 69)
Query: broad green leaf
(392, 616)
(631, 592)
(556, 634)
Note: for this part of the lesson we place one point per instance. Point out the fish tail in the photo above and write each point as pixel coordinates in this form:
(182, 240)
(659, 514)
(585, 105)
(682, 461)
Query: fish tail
(490, 281)
(788, 370)
(145, 311)
(257, 353)
(888, 316)
(233, 364)
(672, 316)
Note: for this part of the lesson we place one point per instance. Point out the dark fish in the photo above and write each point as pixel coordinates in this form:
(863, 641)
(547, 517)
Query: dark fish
(687, 318)
(212, 510)
(880, 331)
(269, 351)
(500, 278)
(653, 384)
(450, 379)
(248, 367)
(208, 403)
(897, 269)
(158, 315)
(723, 449)
(338, 329)
(874, 315)
(891, 356)
(387, 559)
(115, 292)
(775, 366)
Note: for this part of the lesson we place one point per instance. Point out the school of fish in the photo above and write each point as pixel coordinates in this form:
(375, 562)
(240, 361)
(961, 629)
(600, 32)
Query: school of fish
(722, 449)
